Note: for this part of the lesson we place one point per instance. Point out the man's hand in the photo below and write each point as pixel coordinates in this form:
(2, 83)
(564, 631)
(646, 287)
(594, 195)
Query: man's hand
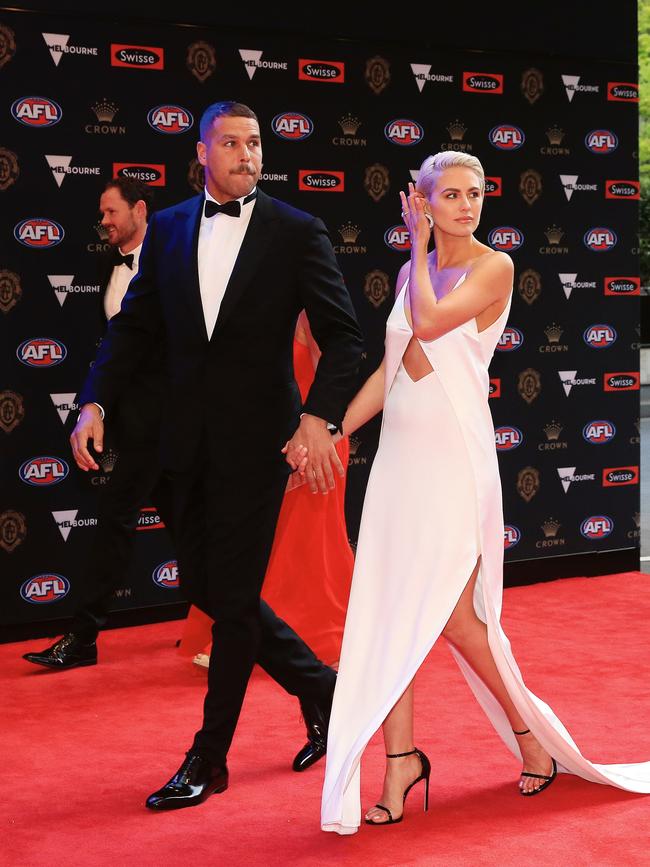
(89, 427)
(314, 443)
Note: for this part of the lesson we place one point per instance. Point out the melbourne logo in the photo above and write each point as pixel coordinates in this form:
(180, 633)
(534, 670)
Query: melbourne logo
(483, 82)
(569, 378)
(597, 527)
(39, 233)
(570, 184)
(600, 239)
(332, 71)
(45, 588)
(170, 119)
(622, 285)
(58, 45)
(166, 574)
(61, 168)
(622, 91)
(511, 536)
(252, 60)
(38, 111)
(64, 403)
(614, 477)
(292, 125)
(506, 238)
(66, 519)
(506, 137)
(43, 471)
(599, 336)
(601, 141)
(622, 381)
(568, 475)
(511, 339)
(622, 190)
(331, 182)
(404, 132)
(152, 174)
(599, 432)
(64, 285)
(570, 282)
(572, 86)
(508, 438)
(422, 73)
(41, 352)
(137, 56)
(397, 238)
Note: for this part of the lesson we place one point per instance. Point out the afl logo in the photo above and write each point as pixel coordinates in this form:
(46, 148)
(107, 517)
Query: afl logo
(511, 536)
(36, 111)
(332, 182)
(508, 438)
(166, 575)
(506, 137)
(41, 352)
(170, 119)
(505, 238)
(38, 233)
(599, 432)
(483, 82)
(43, 471)
(332, 71)
(600, 239)
(597, 527)
(511, 339)
(397, 238)
(622, 285)
(45, 588)
(292, 125)
(404, 132)
(601, 141)
(599, 336)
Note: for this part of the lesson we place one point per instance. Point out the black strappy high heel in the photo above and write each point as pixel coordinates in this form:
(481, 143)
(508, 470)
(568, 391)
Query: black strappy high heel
(547, 779)
(424, 775)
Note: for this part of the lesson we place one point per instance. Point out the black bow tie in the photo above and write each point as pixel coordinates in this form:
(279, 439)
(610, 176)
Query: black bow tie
(232, 208)
(119, 259)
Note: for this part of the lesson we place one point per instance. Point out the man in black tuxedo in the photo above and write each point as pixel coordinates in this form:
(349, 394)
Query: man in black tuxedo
(221, 282)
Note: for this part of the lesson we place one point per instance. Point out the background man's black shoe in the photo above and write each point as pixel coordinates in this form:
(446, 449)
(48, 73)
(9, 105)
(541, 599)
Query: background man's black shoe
(68, 652)
(193, 782)
(317, 718)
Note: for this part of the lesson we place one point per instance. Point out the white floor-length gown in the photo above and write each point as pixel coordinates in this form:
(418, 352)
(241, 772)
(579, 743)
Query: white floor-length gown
(432, 507)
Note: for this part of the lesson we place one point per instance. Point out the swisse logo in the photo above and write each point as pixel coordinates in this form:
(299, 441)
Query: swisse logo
(41, 352)
(331, 182)
(292, 126)
(332, 71)
(483, 82)
(599, 336)
(624, 381)
(508, 438)
(37, 111)
(616, 476)
(404, 132)
(622, 285)
(45, 588)
(137, 56)
(494, 388)
(506, 137)
(493, 187)
(506, 238)
(166, 575)
(600, 239)
(597, 527)
(601, 141)
(39, 233)
(43, 471)
(170, 119)
(149, 519)
(599, 432)
(398, 238)
(622, 190)
(152, 174)
(511, 536)
(622, 91)
(511, 339)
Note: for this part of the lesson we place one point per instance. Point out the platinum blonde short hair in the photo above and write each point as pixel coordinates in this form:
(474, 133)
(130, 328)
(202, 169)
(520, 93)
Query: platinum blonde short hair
(436, 163)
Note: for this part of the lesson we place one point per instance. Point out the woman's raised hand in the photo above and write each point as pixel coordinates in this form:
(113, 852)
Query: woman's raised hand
(414, 214)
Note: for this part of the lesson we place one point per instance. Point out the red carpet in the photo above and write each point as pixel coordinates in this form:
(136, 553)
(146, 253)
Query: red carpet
(82, 749)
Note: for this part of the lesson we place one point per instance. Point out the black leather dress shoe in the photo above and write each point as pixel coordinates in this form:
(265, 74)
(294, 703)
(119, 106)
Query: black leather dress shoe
(193, 782)
(317, 718)
(68, 652)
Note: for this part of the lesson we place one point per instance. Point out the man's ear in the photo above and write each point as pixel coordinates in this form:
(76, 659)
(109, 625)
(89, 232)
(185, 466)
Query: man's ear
(141, 209)
(201, 152)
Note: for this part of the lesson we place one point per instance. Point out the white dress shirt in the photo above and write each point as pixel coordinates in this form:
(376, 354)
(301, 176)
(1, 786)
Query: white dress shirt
(220, 238)
(119, 283)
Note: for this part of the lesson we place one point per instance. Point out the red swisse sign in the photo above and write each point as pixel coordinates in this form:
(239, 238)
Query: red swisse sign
(152, 174)
(614, 477)
(321, 180)
(622, 381)
(483, 82)
(495, 388)
(622, 91)
(493, 187)
(622, 285)
(137, 56)
(332, 71)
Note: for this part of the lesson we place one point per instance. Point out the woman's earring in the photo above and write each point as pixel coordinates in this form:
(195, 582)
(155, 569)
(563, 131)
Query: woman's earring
(429, 219)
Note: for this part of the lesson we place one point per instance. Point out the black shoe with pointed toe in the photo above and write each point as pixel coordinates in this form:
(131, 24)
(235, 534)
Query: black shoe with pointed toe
(194, 782)
(317, 717)
(71, 651)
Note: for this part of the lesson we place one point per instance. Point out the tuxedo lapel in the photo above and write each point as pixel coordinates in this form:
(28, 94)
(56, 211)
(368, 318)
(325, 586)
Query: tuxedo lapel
(188, 219)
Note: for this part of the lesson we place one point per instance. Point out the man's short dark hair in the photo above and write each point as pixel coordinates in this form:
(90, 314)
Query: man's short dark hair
(227, 108)
(132, 190)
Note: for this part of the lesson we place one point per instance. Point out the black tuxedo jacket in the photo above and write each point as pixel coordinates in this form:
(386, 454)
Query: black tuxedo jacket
(232, 400)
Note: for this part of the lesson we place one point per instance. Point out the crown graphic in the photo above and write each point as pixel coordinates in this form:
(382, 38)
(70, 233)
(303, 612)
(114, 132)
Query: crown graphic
(349, 124)
(457, 130)
(554, 135)
(636, 517)
(105, 110)
(349, 233)
(553, 431)
(554, 234)
(553, 333)
(101, 231)
(354, 445)
(550, 528)
(108, 460)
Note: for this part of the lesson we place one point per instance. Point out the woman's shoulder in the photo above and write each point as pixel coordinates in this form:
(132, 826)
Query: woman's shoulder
(494, 264)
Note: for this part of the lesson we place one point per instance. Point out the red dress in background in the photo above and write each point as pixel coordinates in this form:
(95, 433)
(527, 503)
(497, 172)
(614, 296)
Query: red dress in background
(308, 578)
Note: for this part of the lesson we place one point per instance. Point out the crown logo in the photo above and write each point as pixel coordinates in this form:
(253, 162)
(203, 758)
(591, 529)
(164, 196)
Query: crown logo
(554, 135)
(349, 124)
(354, 444)
(105, 110)
(108, 460)
(349, 233)
(550, 528)
(457, 130)
(554, 234)
(101, 231)
(553, 333)
(553, 431)
(636, 517)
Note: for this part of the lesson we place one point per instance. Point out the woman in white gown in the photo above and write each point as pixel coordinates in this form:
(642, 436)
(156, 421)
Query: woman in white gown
(430, 555)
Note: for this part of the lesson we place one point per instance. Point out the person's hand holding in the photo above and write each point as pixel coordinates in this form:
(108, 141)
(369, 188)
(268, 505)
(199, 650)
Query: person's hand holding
(89, 427)
(295, 480)
(414, 213)
(318, 459)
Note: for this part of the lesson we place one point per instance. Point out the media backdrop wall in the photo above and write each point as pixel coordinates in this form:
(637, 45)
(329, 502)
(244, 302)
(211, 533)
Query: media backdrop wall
(345, 126)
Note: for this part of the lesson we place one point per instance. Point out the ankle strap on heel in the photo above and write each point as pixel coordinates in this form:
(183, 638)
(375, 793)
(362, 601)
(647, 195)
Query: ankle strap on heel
(400, 755)
(525, 732)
